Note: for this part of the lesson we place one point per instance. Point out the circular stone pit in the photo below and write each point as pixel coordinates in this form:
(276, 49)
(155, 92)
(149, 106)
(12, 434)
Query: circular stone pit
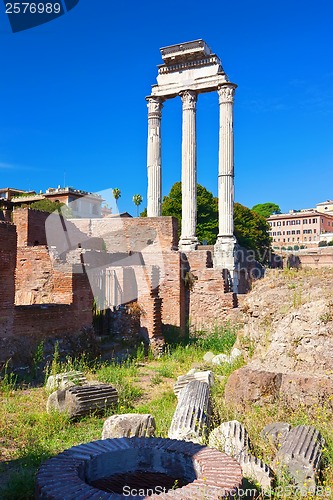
(139, 467)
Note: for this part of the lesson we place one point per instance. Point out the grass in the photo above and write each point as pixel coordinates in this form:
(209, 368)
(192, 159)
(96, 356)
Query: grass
(28, 435)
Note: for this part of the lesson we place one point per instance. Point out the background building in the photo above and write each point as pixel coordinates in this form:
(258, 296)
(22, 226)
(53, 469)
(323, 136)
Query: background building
(304, 227)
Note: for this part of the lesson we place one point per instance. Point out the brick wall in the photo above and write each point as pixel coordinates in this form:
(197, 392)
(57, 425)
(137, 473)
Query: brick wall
(208, 303)
(132, 234)
(30, 226)
(7, 280)
(40, 321)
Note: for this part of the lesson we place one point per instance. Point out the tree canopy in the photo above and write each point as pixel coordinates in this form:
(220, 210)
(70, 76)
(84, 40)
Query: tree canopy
(46, 205)
(207, 218)
(266, 209)
(251, 229)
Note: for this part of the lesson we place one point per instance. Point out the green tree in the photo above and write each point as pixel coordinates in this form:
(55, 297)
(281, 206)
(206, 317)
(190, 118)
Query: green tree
(266, 209)
(116, 193)
(137, 200)
(252, 231)
(47, 205)
(207, 215)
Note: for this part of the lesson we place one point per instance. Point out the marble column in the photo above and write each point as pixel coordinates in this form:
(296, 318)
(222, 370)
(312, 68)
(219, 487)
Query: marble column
(154, 157)
(188, 239)
(225, 244)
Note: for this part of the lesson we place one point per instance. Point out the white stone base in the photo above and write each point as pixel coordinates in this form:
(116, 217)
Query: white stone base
(188, 244)
(224, 257)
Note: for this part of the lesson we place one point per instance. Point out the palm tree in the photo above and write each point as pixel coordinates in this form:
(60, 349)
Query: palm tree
(116, 193)
(137, 200)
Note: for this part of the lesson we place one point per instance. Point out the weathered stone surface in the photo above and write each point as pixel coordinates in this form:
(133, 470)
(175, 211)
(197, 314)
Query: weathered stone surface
(79, 401)
(253, 385)
(301, 455)
(255, 469)
(230, 437)
(191, 420)
(129, 425)
(233, 439)
(65, 380)
(247, 386)
(276, 433)
(203, 376)
(219, 359)
(208, 356)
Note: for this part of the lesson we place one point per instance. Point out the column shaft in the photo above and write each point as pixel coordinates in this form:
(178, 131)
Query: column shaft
(188, 239)
(226, 161)
(154, 158)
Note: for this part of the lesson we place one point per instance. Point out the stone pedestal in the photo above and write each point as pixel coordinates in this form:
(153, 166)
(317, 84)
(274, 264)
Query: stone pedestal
(154, 159)
(188, 239)
(225, 244)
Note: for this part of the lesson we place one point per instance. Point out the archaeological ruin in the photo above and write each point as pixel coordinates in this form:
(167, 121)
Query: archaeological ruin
(52, 268)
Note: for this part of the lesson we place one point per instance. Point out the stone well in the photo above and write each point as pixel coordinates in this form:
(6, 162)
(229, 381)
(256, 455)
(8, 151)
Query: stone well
(139, 468)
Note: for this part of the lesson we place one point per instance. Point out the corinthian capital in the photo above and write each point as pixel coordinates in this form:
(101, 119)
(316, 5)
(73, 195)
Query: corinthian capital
(189, 99)
(226, 93)
(154, 106)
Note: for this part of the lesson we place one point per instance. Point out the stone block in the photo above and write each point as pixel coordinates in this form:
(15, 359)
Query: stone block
(233, 439)
(208, 356)
(129, 425)
(65, 380)
(191, 420)
(230, 437)
(276, 433)
(204, 376)
(300, 455)
(255, 469)
(79, 401)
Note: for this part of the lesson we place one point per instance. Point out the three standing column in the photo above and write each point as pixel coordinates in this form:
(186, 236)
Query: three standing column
(188, 239)
(154, 157)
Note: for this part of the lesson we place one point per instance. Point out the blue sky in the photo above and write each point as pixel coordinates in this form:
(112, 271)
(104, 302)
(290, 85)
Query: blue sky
(73, 109)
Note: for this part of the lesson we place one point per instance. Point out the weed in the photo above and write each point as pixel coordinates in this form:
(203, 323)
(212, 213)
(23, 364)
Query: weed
(8, 381)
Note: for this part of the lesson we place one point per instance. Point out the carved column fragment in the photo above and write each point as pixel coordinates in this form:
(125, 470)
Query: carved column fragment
(188, 239)
(154, 157)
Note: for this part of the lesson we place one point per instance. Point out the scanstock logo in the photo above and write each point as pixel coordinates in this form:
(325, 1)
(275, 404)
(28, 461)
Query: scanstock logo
(26, 15)
(121, 257)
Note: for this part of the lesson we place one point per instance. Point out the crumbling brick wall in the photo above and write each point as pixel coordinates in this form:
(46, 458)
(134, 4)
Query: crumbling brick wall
(209, 298)
(7, 273)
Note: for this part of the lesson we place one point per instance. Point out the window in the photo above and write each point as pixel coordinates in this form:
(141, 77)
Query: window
(298, 231)
(283, 223)
(322, 220)
(305, 221)
(288, 232)
(283, 232)
(292, 232)
(298, 222)
(315, 230)
(273, 223)
(314, 221)
(292, 222)
(309, 238)
(278, 223)
(287, 223)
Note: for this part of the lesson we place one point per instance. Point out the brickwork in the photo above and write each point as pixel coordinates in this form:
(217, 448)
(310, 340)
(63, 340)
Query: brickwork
(209, 302)
(30, 226)
(53, 294)
(7, 280)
